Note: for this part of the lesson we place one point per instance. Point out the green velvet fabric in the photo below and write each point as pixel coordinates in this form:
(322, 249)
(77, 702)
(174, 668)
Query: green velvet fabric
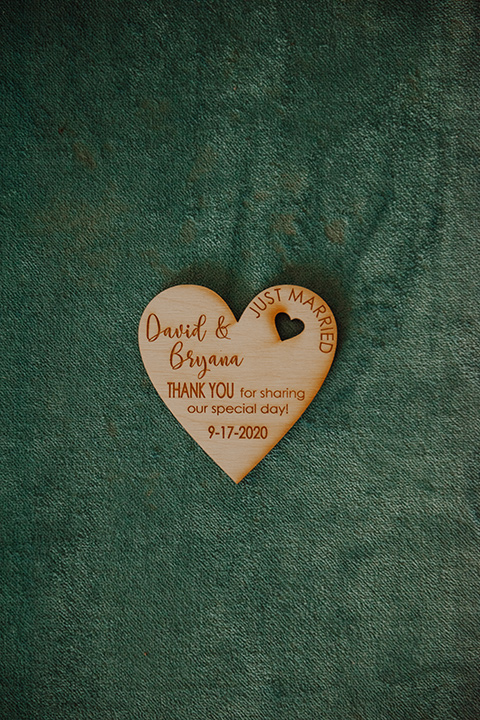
(331, 144)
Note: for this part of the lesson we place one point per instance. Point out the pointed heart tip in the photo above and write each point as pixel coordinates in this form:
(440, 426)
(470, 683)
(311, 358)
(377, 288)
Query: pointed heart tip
(236, 471)
(236, 479)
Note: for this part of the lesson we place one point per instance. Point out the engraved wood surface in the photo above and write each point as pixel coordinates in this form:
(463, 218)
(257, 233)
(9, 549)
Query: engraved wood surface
(236, 387)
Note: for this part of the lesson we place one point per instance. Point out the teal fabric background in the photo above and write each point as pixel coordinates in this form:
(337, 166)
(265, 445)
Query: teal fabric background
(331, 144)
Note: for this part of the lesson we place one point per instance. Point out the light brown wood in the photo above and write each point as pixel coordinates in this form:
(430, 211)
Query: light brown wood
(236, 387)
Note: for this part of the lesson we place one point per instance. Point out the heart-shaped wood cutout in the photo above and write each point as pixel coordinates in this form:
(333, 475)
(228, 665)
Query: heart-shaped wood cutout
(236, 387)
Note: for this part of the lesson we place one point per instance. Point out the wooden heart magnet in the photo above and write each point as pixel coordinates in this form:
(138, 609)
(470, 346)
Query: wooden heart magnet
(236, 387)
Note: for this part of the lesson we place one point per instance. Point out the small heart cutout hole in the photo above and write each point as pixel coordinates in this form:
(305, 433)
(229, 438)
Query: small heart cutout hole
(288, 328)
